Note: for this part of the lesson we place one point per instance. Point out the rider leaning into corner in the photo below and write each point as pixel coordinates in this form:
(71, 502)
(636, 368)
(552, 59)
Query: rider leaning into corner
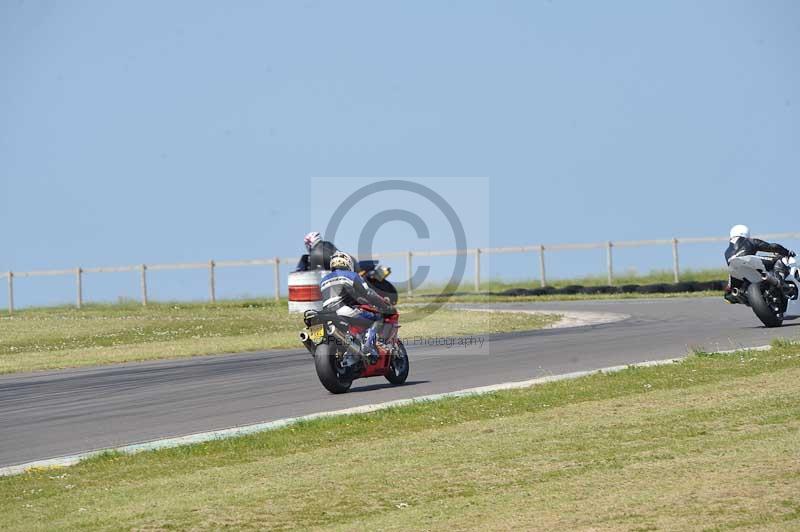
(742, 244)
(343, 290)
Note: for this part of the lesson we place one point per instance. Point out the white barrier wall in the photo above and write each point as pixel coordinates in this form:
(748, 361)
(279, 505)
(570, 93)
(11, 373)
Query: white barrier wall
(304, 293)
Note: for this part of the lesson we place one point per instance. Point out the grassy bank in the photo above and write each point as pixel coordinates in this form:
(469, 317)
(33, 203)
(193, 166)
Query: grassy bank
(63, 337)
(653, 277)
(710, 442)
(485, 298)
(465, 292)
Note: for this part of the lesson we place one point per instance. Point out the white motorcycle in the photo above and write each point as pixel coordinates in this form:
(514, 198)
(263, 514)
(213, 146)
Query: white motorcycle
(753, 283)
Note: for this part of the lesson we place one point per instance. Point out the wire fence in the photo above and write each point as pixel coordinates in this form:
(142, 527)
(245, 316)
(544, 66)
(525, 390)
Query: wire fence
(540, 251)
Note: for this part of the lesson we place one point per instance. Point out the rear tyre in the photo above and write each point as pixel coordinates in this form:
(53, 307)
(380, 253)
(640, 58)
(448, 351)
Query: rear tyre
(762, 307)
(325, 364)
(398, 367)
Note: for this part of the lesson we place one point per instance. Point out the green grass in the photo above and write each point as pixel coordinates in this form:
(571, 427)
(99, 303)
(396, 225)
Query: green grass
(711, 442)
(423, 294)
(51, 338)
(653, 277)
(485, 298)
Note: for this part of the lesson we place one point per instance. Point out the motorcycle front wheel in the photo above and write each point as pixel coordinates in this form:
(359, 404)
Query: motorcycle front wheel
(398, 367)
(760, 302)
(327, 370)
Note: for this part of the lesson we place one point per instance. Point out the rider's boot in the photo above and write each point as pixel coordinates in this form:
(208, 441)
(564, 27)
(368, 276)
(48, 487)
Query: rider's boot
(368, 348)
(790, 290)
(729, 297)
(780, 271)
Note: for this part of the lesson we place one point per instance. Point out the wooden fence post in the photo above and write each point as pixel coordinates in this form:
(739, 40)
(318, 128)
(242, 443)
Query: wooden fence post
(477, 269)
(675, 267)
(277, 279)
(610, 263)
(212, 285)
(10, 293)
(543, 277)
(79, 286)
(144, 284)
(410, 288)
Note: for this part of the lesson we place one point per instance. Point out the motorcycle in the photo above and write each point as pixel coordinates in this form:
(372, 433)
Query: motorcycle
(335, 342)
(753, 283)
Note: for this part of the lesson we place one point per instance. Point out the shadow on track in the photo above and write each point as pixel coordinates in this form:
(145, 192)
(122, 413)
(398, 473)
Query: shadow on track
(784, 326)
(372, 387)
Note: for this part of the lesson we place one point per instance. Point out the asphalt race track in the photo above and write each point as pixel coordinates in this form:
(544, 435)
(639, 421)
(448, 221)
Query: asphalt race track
(52, 414)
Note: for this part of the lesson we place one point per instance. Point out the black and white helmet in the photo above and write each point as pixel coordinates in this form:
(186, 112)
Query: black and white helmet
(341, 261)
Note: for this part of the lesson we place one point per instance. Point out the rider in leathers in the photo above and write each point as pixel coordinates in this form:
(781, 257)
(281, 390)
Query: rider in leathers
(343, 290)
(741, 244)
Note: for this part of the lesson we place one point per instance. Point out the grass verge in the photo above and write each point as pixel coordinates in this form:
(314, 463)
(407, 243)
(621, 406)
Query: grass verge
(712, 441)
(653, 277)
(51, 338)
(486, 298)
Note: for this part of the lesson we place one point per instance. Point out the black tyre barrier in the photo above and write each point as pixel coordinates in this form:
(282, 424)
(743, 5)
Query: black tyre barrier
(572, 289)
(516, 292)
(655, 288)
(629, 288)
(539, 291)
(711, 285)
(684, 287)
(589, 290)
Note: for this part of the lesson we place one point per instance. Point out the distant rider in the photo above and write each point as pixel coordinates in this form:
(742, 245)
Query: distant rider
(343, 290)
(319, 253)
(741, 244)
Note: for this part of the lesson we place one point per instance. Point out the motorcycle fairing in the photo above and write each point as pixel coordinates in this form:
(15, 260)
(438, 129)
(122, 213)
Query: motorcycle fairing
(752, 267)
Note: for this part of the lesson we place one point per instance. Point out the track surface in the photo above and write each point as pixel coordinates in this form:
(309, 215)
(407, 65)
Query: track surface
(52, 414)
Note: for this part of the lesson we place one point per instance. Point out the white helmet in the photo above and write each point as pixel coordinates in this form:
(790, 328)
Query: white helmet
(740, 231)
(312, 239)
(341, 261)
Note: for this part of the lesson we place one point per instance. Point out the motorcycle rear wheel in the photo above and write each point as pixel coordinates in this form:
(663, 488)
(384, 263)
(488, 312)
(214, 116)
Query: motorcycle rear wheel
(325, 364)
(762, 308)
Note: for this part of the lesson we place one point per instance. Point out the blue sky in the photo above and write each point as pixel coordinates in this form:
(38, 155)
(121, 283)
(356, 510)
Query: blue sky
(181, 131)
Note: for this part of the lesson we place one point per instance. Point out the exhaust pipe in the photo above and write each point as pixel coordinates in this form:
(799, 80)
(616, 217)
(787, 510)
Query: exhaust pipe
(770, 279)
(308, 342)
(734, 291)
(344, 340)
